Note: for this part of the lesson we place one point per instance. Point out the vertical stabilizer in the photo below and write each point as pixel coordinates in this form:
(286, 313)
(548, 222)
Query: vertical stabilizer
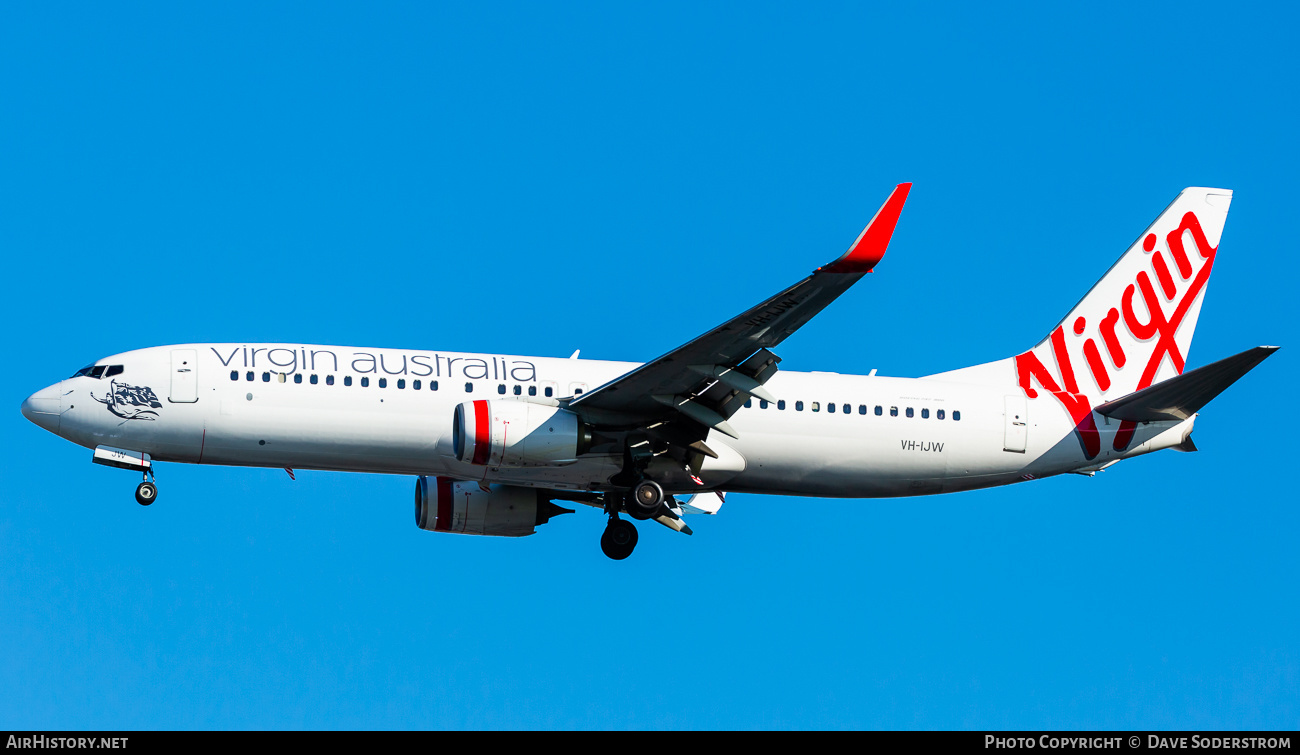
(1133, 328)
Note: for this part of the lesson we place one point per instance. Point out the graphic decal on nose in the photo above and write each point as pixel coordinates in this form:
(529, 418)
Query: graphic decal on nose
(130, 402)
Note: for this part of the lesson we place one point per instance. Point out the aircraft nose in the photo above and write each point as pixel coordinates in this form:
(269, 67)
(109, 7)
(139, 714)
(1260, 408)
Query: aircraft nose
(44, 408)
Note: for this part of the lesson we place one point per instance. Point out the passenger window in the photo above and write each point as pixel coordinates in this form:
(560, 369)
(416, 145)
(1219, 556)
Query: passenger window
(114, 370)
(519, 389)
(313, 380)
(415, 385)
(329, 380)
(749, 403)
(347, 380)
(879, 410)
(762, 404)
(279, 377)
(433, 385)
(956, 416)
(938, 414)
(234, 374)
(893, 411)
(925, 414)
(780, 405)
(266, 377)
(816, 406)
(830, 408)
(469, 387)
(798, 406)
(847, 409)
(532, 390)
(862, 408)
(383, 382)
(577, 391)
(909, 412)
(365, 382)
(501, 389)
(550, 391)
(249, 376)
(401, 383)
(297, 377)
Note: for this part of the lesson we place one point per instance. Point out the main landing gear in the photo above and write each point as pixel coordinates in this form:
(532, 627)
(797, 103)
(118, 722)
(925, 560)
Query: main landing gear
(620, 536)
(645, 501)
(619, 539)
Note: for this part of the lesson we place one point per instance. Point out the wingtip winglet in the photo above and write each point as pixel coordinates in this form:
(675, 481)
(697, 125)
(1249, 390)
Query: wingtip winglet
(868, 249)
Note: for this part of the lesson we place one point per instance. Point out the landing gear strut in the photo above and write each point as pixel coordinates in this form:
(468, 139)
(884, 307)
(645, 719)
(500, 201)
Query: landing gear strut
(620, 535)
(147, 491)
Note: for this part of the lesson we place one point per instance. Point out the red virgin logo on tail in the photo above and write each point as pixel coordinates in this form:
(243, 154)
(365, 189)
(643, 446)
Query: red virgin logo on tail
(1158, 327)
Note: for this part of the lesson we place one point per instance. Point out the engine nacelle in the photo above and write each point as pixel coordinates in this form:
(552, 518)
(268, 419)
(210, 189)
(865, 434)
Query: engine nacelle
(446, 505)
(516, 434)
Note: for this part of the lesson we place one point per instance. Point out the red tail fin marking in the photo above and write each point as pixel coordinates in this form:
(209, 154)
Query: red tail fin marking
(1166, 329)
(1029, 368)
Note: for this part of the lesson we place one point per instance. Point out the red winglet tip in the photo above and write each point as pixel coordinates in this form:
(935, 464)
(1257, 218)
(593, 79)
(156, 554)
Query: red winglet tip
(871, 244)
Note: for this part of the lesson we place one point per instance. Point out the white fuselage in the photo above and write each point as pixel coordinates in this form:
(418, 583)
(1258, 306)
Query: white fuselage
(305, 407)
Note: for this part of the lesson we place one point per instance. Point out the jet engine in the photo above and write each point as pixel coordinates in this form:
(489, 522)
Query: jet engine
(446, 505)
(517, 434)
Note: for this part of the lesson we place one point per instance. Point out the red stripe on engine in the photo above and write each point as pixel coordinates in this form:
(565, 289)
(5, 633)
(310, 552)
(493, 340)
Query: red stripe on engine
(482, 433)
(443, 522)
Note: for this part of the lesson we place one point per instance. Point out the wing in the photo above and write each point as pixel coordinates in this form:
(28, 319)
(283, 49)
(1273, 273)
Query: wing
(707, 380)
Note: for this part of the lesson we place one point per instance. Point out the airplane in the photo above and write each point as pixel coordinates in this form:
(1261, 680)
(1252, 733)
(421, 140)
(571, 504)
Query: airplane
(495, 440)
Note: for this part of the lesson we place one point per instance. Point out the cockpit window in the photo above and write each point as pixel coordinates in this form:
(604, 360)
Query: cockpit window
(98, 371)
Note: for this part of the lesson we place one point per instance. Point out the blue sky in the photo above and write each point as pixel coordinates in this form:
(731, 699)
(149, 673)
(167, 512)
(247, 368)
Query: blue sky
(538, 178)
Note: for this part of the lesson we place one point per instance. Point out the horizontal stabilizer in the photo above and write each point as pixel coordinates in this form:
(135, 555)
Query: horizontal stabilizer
(1184, 395)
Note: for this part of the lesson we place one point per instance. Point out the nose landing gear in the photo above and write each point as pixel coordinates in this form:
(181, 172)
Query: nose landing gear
(145, 493)
(120, 458)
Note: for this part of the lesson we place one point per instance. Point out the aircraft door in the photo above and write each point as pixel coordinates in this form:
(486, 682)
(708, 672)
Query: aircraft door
(185, 379)
(1017, 423)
